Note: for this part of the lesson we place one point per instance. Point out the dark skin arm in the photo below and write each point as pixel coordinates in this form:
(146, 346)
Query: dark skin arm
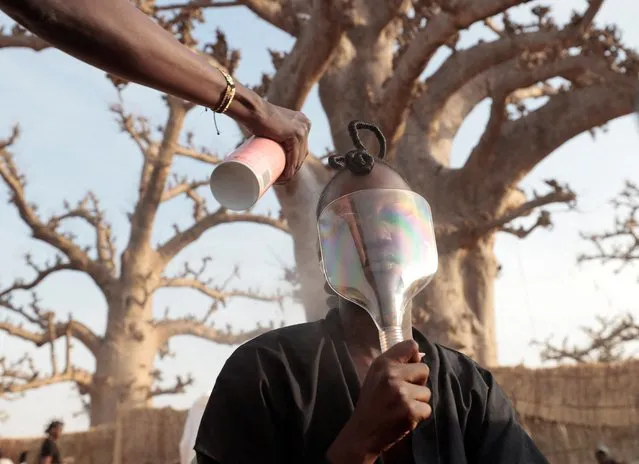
(118, 38)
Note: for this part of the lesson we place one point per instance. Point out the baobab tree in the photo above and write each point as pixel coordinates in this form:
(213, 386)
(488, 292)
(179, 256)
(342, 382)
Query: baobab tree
(547, 83)
(125, 355)
(619, 247)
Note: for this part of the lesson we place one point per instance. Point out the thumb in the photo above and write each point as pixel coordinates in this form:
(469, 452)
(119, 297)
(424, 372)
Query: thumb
(404, 352)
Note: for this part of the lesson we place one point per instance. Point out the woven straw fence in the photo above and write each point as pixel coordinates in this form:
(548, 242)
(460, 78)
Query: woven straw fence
(140, 436)
(569, 410)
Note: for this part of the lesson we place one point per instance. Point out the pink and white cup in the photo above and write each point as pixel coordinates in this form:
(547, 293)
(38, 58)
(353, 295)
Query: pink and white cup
(247, 173)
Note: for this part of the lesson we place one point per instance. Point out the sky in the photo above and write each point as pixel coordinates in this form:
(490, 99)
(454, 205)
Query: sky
(70, 144)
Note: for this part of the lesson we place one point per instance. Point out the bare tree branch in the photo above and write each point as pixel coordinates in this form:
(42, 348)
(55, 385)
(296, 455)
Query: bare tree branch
(151, 194)
(605, 343)
(465, 65)
(198, 155)
(51, 335)
(379, 15)
(181, 185)
(621, 245)
(21, 376)
(471, 75)
(179, 387)
(197, 5)
(88, 209)
(444, 24)
(18, 37)
(438, 128)
(508, 90)
(490, 23)
(41, 274)
(589, 16)
(14, 379)
(182, 239)
(179, 327)
(566, 115)
(137, 127)
(194, 279)
(34, 314)
(543, 220)
(101, 272)
(288, 15)
(559, 194)
(201, 326)
(534, 91)
(600, 60)
(310, 57)
(483, 152)
(215, 292)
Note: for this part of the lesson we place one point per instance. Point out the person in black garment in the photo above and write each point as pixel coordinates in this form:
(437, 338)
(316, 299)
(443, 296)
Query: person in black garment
(49, 451)
(321, 392)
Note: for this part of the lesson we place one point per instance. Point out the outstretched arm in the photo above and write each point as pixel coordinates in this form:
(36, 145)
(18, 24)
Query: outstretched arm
(117, 37)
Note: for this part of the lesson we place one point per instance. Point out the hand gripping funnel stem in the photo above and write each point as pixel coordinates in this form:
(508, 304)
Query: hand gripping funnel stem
(378, 251)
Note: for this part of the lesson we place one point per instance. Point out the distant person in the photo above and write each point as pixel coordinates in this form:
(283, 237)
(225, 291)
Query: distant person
(117, 37)
(23, 458)
(4, 460)
(603, 456)
(49, 451)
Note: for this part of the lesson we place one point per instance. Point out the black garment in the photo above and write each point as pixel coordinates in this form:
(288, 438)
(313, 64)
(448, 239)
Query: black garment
(50, 448)
(283, 397)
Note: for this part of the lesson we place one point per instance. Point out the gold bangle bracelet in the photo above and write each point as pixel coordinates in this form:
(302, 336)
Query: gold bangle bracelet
(229, 93)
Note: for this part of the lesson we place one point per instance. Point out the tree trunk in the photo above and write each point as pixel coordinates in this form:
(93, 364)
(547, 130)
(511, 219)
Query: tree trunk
(124, 363)
(457, 307)
(297, 200)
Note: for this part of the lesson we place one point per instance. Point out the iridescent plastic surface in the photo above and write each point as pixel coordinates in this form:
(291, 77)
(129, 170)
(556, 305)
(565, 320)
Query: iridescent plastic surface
(378, 251)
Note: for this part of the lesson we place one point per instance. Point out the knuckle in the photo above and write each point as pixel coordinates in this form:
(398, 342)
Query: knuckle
(401, 393)
(428, 394)
(419, 411)
(390, 380)
(391, 375)
(428, 410)
(303, 125)
(391, 385)
(411, 412)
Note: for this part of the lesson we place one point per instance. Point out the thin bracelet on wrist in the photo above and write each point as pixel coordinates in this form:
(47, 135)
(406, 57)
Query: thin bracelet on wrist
(229, 93)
